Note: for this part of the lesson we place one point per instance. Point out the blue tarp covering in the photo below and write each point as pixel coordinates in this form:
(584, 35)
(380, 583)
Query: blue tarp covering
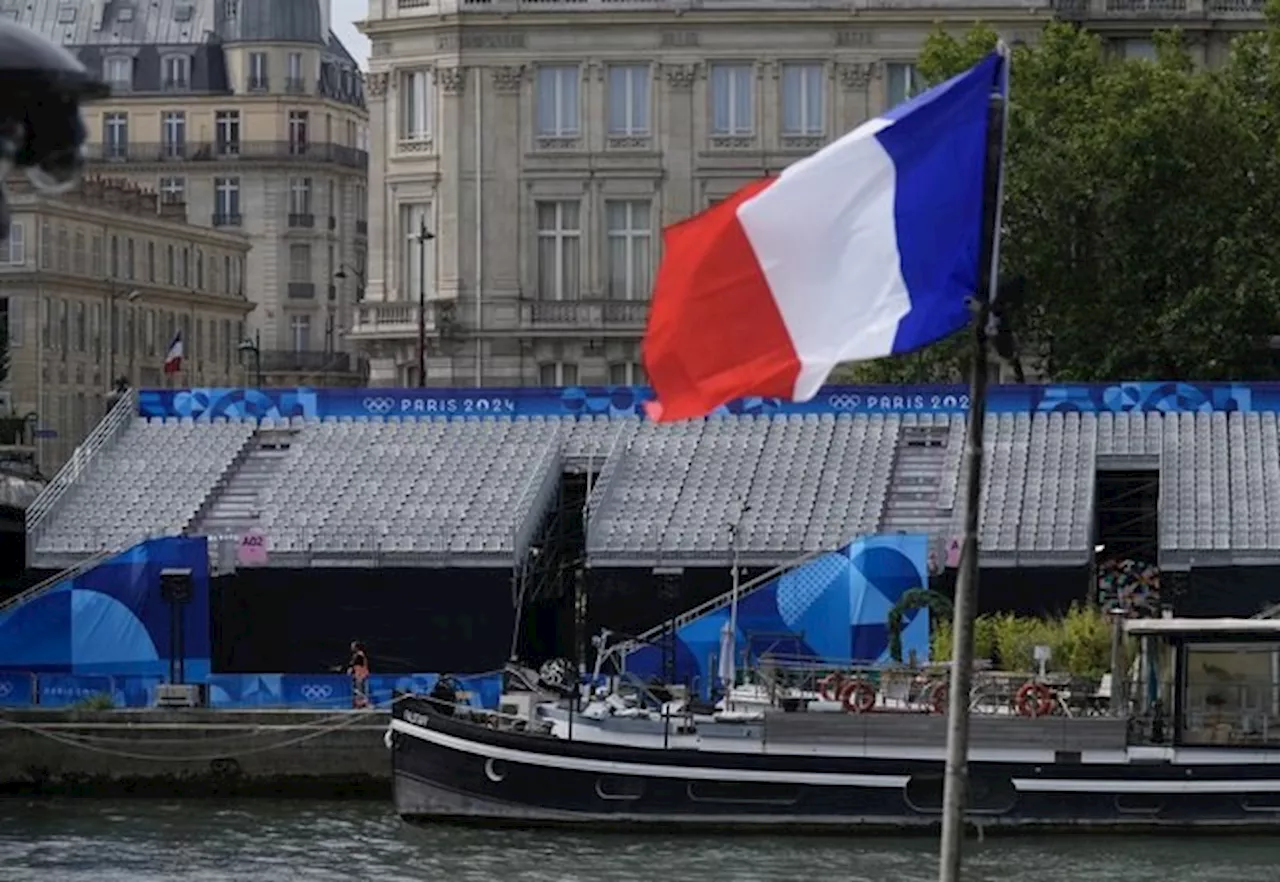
(833, 609)
(112, 619)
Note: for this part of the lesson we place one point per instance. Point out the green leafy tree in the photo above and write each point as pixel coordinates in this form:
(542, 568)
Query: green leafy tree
(1139, 207)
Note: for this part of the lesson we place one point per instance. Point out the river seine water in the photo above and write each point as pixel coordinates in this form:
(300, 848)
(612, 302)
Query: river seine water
(265, 841)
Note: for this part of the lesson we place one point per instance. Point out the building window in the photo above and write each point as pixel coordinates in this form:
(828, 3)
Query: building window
(626, 373)
(80, 329)
(173, 131)
(362, 202)
(64, 249)
(412, 219)
(300, 332)
(416, 96)
(13, 250)
(115, 257)
(299, 196)
(628, 227)
(186, 267)
(129, 255)
(557, 101)
(226, 125)
(803, 99)
(559, 250)
(902, 81)
(558, 373)
(176, 72)
(171, 266)
(199, 270)
(97, 255)
(115, 135)
(732, 99)
(151, 261)
(295, 83)
(46, 245)
(118, 72)
(257, 71)
(299, 120)
(173, 191)
(629, 99)
(226, 201)
(79, 259)
(1143, 50)
(299, 263)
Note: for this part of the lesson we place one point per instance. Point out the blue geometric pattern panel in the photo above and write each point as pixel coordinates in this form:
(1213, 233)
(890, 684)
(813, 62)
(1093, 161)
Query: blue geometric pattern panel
(833, 610)
(112, 620)
(333, 691)
(1161, 397)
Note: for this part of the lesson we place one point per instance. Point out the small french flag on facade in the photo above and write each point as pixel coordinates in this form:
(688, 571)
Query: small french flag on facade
(173, 358)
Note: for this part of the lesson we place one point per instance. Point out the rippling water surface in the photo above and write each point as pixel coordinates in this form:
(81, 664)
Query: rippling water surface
(151, 840)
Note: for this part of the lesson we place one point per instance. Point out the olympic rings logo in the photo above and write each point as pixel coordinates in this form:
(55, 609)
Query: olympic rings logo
(379, 405)
(316, 691)
(845, 402)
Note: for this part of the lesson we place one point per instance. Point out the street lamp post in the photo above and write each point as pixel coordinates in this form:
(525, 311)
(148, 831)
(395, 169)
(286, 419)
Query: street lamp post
(254, 346)
(424, 236)
(113, 330)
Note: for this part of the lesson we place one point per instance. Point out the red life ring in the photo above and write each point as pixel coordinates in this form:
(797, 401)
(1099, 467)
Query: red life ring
(830, 687)
(940, 698)
(858, 697)
(1034, 700)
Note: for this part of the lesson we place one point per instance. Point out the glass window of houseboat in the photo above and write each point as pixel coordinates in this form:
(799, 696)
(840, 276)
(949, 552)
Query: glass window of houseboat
(1231, 694)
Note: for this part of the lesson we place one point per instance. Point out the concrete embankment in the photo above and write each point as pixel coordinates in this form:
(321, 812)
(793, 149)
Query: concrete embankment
(277, 753)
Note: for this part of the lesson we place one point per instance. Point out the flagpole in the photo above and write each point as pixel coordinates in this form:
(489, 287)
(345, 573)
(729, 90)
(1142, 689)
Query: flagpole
(965, 608)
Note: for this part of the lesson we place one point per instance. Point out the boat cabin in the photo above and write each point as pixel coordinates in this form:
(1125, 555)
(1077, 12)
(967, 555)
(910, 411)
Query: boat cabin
(1206, 682)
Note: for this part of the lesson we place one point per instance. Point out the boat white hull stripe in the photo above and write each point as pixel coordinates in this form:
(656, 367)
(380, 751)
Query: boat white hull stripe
(1103, 785)
(646, 770)
(826, 779)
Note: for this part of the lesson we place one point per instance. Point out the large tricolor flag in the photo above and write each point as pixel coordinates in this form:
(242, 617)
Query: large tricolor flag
(868, 248)
(173, 358)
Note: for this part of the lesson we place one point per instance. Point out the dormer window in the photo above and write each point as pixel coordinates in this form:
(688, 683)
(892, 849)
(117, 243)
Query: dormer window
(176, 70)
(182, 14)
(117, 70)
(66, 15)
(124, 14)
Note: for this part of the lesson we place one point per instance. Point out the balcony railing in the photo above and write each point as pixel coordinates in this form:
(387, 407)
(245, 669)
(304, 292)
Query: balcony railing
(362, 228)
(227, 220)
(311, 362)
(302, 221)
(242, 151)
(295, 85)
(302, 290)
(549, 314)
(391, 319)
(1077, 10)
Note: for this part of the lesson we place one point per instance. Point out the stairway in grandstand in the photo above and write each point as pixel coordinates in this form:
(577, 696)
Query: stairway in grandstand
(922, 467)
(235, 505)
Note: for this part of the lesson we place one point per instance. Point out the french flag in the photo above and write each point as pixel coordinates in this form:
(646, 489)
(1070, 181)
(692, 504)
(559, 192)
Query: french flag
(173, 358)
(866, 249)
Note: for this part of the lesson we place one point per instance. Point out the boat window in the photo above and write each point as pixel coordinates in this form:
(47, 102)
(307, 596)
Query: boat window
(1232, 694)
(737, 791)
(619, 787)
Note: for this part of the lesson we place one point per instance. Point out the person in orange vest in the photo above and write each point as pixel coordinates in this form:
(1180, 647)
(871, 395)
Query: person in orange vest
(358, 668)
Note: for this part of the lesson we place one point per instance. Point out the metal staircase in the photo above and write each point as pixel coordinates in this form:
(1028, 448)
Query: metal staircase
(913, 505)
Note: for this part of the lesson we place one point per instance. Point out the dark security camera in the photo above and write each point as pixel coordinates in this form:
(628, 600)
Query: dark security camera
(41, 88)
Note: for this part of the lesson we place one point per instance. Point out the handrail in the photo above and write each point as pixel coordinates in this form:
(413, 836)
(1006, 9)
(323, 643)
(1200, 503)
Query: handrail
(57, 578)
(121, 414)
(721, 601)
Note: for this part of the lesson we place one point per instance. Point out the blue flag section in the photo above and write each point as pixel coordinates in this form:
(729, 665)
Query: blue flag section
(621, 401)
(112, 620)
(832, 611)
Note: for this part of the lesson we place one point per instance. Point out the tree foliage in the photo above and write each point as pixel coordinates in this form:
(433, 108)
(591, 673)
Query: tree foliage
(1140, 205)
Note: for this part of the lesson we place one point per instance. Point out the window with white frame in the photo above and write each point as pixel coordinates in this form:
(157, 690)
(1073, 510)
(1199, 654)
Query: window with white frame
(416, 105)
(299, 262)
(173, 191)
(414, 217)
(299, 196)
(556, 100)
(11, 318)
(558, 373)
(902, 81)
(257, 71)
(117, 70)
(299, 123)
(733, 99)
(559, 249)
(226, 127)
(629, 99)
(176, 71)
(362, 202)
(173, 133)
(626, 373)
(227, 200)
(13, 250)
(803, 98)
(628, 225)
(300, 332)
(295, 71)
(115, 135)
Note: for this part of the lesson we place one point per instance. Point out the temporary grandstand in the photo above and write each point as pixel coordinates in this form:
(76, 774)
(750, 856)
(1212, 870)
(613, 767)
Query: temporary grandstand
(442, 490)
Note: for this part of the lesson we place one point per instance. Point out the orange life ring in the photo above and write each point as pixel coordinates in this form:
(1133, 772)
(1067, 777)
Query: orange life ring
(940, 698)
(858, 697)
(1034, 700)
(830, 687)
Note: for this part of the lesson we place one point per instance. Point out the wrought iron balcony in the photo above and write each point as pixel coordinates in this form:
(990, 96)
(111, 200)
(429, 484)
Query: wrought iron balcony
(277, 360)
(302, 221)
(302, 290)
(295, 85)
(229, 152)
(227, 220)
